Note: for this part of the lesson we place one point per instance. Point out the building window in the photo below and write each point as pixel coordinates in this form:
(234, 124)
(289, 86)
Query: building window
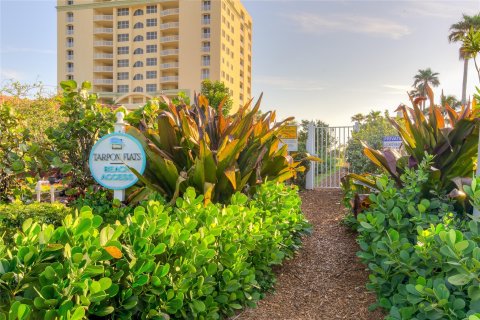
(205, 74)
(138, 64)
(138, 12)
(151, 9)
(69, 42)
(122, 63)
(138, 38)
(151, 61)
(138, 76)
(69, 29)
(206, 19)
(122, 76)
(138, 25)
(206, 5)
(151, 87)
(122, 24)
(69, 54)
(152, 35)
(122, 37)
(138, 89)
(122, 88)
(151, 75)
(206, 33)
(69, 2)
(138, 51)
(151, 48)
(122, 12)
(69, 67)
(70, 77)
(152, 22)
(206, 46)
(205, 61)
(122, 50)
(69, 16)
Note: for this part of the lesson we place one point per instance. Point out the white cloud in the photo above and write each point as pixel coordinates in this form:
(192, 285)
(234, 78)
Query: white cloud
(10, 49)
(289, 84)
(440, 9)
(403, 88)
(7, 74)
(314, 23)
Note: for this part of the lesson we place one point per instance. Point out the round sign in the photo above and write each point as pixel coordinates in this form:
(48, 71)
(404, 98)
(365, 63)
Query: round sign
(110, 158)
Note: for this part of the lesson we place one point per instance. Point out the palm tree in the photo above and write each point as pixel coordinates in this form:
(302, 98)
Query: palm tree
(471, 47)
(423, 79)
(458, 31)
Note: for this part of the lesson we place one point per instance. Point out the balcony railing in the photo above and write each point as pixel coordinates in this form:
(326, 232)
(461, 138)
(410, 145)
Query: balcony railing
(169, 12)
(69, 44)
(70, 70)
(170, 65)
(103, 17)
(103, 69)
(169, 39)
(206, 49)
(103, 56)
(205, 21)
(69, 19)
(70, 57)
(169, 25)
(69, 32)
(102, 43)
(206, 7)
(103, 81)
(169, 52)
(103, 30)
(206, 35)
(169, 79)
(206, 63)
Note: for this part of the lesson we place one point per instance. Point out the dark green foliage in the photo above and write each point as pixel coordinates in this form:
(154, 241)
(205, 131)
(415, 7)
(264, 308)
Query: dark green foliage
(14, 214)
(216, 92)
(85, 121)
(372, 128)
(423, 257)
(187, 261)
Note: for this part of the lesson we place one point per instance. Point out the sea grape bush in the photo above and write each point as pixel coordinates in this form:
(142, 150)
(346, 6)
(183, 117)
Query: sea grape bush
(182, 261)
(423, 258)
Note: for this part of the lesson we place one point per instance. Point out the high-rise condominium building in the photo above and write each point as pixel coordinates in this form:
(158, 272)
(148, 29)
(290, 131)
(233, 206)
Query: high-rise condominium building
(133, 50)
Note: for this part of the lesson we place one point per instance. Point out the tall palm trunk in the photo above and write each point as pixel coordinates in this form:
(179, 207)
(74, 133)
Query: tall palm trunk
(464, 85)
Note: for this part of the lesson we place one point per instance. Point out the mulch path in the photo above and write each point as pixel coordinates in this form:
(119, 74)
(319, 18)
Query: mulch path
(325, 280)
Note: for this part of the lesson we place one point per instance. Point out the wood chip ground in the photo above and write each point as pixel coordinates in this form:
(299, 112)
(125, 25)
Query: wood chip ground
(325, 280)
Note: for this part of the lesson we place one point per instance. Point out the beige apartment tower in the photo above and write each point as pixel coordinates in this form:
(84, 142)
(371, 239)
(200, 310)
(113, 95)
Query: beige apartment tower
(133, 50)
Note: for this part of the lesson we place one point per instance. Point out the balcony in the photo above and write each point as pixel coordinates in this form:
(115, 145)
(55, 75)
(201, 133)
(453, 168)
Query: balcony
(169, 65)
(169, 79)
(169, 39)
(206, 49)
(205, 21)
(169, 52)
(103, 56)
(103, 81)
(206, 35)
(69, 44)
(103, 43)
(103, 69)
(69, 57)
(103, 17)
(169, 12)
(103, 30)
(170, 25)
(69, 32)
(69, 70)
(69, 19)
(206, 7)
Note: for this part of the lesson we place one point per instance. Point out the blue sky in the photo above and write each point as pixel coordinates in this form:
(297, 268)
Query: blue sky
(323, 60)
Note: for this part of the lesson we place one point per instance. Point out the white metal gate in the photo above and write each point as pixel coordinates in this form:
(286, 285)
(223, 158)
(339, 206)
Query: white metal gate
(329, 144)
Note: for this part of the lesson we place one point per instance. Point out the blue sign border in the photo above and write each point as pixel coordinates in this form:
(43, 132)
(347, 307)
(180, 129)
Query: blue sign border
(144, 162)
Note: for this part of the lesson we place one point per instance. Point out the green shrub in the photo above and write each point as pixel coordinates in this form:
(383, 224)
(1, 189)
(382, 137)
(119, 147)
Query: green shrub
(196, 146)
(423, 257)
(187, 261)
(13, 215)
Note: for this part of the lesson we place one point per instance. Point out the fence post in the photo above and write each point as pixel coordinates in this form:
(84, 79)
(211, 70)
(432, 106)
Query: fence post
(120, 128)
(310, 176)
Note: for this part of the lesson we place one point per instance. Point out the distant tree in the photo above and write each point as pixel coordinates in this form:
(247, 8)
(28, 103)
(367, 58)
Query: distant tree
(471, 47)
(216, 92)
(451, 100)
(457, 32)
(422, 79)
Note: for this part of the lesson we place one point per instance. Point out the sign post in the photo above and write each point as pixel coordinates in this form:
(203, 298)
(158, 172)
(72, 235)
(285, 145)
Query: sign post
(289, 136)
(113, 155)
